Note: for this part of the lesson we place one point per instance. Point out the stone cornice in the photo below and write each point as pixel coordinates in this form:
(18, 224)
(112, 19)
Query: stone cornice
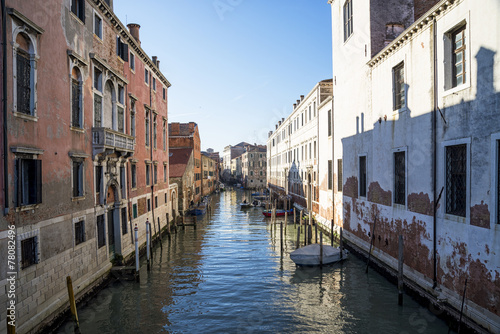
(14, 13)
(419, 25)
(123, 31)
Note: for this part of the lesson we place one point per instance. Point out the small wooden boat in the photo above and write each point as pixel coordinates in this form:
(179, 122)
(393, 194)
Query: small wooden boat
(279, 213)
(245, 204)
(310, 255)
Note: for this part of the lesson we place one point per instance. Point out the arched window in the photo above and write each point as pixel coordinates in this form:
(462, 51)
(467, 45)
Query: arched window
(25, 74)
(76, 98)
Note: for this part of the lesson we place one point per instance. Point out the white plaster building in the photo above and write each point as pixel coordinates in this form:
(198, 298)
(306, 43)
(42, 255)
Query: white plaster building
(292, 149)
(417, 126)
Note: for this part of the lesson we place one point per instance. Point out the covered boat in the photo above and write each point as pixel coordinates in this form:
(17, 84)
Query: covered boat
(310, 255)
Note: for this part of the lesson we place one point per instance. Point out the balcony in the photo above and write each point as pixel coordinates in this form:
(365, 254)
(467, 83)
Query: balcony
(110, 141)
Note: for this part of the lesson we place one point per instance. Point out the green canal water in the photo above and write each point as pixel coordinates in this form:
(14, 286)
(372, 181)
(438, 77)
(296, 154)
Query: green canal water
(228, 276)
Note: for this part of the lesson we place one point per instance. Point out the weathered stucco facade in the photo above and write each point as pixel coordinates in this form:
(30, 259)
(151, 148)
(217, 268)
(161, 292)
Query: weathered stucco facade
(253, 167)
(85, 110)
(416, 124)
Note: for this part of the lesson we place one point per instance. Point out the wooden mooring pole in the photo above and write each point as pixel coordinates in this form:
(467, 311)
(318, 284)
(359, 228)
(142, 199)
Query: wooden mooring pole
(331, 235)
(281, 235)
(298, 237)
(309, 232)
(400, 271)
(159, 233)
(341, 244)
(72, 303)
(320, 249)
(294, 217)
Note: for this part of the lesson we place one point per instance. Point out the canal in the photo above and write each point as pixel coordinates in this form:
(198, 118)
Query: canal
(228, 276)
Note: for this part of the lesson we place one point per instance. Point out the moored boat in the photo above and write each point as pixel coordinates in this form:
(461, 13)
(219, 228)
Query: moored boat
(310, 255)
(279, 213)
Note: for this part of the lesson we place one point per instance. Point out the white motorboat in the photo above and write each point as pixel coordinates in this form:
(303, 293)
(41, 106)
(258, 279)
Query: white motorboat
(310, 255)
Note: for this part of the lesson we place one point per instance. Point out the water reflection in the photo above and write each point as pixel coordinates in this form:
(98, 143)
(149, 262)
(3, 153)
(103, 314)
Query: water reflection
(229, 276)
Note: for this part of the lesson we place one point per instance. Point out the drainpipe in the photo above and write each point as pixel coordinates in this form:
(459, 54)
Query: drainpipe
(434, 151)
(334, 211)
(4, 107)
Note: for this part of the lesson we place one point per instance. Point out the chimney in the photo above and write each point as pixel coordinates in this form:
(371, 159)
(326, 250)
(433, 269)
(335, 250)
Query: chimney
(191, 127)
(158, 64)
(134, 31)
(301, 97)
(279, 123)
(294, 106)
(155, 59)
(276, 126)
(298, 102)
(283, 119)
(175, 129)
(392, 30)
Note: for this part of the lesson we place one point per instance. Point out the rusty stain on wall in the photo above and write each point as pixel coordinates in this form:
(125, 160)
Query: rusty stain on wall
(480, 215)
(378, 195)
(420, 203)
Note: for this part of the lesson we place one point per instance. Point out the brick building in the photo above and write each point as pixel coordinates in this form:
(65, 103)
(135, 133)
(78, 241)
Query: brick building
(186, 135)
(85, 110)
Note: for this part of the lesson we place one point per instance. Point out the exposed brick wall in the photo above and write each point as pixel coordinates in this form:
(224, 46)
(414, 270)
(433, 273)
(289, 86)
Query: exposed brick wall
(422, 6)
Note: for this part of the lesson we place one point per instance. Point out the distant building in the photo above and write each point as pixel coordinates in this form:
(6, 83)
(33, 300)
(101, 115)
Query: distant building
(182, 173)
(209, 174)
(186, 135)
(253, 167)
(231, 152)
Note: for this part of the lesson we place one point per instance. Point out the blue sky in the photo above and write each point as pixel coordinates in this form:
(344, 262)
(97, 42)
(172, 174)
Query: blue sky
(236, 66)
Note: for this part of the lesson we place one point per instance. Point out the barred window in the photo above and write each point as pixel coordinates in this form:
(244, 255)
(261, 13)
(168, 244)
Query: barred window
(101, 235)
(456, 179)
(120, 119)
(76, 97)
(362, 176)
(79, 232)
(23, 82)
(399, 178)
(29, 252)
(124, 221)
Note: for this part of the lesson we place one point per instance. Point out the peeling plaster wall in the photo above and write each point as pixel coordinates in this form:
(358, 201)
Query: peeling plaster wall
(366, 124)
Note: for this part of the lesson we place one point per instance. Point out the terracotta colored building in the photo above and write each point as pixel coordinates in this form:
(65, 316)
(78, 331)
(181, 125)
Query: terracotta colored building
(186, 135)
(85, 151)
(182, 174)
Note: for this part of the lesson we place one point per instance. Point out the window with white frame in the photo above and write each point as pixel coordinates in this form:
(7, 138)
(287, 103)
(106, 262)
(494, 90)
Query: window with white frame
(79, 232)
(132, 61)
(133, 173)
(121, 49)
(456, 180)
(132, 118)
(164, 135)
(78, 8)
(120, 110)
(399, 96)
(101, 232)
(148, 172)
(458, 56)
(28, 181)
(146, 122)
(97, 25)
(348, 28)
(97, 97)
(399, 178)
(146, 76)
(25, 69)
(154, 130)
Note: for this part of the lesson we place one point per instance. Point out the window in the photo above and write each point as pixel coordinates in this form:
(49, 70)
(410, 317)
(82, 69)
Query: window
(310, 151)
(164, 94)
(164, 135)
(399, 178)
(154, 131)
(124, 221)
(29, 181)
(347, 19)
(97, 26)
(310, 114)
(329, 123)
(79, 232)
(97, 111)
(398, 87)
(78, 178)
(134, 210)
(314, 149)
(76, 99)
(147, 126)
(314, 108)
(121, 49)
(155, 168)
(154, 84)
(25, 65)
(132, 119)
(133, 172)
(362, 176)
(149, 204)
(146, 76)
(121, 119)
(98, 179)
(147, 173)
(339, 175)
(132, 61)
(101, 233)
(330, 174)
(97, 79)
(78, 8)
(456, 179)
(458, 40)
(29, 252)
(156, 201)
(164, 173)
